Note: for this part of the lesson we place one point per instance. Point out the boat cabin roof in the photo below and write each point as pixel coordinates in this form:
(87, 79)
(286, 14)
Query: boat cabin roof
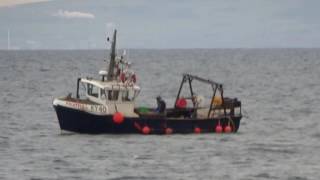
(109, 85)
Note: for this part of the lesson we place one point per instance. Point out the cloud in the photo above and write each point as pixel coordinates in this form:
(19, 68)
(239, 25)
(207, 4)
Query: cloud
(8, 3)
(73, 14)
(110, 25)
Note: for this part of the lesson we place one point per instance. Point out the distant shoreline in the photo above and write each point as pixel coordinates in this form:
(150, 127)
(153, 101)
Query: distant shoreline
(161, 49)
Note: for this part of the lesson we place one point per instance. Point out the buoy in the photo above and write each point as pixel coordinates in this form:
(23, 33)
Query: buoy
(227, 129)
(146, 130)
(197, 130)
(168, 131)
(219, 128)
(118, 118)
(123, 77)
(181, 103)
(217, 100)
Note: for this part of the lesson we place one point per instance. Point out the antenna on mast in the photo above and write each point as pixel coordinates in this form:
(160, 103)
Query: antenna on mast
(111, 75)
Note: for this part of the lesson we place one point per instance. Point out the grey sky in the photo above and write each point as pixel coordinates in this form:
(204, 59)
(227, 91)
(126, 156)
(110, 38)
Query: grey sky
(74, 24)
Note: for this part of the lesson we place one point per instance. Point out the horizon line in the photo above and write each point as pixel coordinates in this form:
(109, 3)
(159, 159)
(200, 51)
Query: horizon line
(69, 49)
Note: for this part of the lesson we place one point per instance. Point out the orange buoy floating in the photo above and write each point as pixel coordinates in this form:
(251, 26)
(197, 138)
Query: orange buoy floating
(118, 118)
(168, 131)
(181, 103)
(227, 129)
(146, 130)
(197, 130)
(218, 128)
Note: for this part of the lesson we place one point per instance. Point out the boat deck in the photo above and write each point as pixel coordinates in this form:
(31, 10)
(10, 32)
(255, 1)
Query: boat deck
(77, 100)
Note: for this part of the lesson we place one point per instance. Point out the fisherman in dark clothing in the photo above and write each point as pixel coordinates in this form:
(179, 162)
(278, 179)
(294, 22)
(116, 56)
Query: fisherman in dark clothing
(161, 105)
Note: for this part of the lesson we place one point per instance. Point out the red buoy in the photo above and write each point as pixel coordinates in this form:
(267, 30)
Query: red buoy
(181, 103)
(227, 129)
(197, 130)
(146, 130)
(168, 131)
(118, 118)
(219, 128)
(123, 77)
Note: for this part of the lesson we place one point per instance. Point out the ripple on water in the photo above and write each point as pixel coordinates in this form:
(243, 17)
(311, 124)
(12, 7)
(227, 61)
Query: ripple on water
(316, 135)
(297, 178)
(61, 162)
(133, 178)
(283, 148)
(265, 176)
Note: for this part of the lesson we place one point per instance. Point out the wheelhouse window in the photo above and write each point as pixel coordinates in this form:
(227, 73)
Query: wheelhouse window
(129, 95)
(103, 94)
(113, 95)
(93, 90)
(82, 92)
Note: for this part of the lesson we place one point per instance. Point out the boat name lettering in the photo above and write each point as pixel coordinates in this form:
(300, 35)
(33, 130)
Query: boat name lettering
(92, 108)
(98, 108)
(77, 105)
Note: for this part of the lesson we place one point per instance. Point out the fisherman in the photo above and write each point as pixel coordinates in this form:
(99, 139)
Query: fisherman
(161, 105)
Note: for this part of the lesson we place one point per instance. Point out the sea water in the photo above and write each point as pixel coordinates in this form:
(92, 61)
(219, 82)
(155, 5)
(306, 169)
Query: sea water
(278, 138)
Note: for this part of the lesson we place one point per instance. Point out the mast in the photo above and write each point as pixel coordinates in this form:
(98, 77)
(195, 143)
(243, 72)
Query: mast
(110, 75)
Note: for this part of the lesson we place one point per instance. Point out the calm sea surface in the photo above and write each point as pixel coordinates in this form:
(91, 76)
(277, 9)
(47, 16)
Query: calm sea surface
(279, 136)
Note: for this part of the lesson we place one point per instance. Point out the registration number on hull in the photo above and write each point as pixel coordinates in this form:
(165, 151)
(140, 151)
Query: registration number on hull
(87, 107)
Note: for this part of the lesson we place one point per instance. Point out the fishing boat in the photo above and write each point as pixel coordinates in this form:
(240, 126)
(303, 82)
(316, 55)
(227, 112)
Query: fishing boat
(107, 105)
